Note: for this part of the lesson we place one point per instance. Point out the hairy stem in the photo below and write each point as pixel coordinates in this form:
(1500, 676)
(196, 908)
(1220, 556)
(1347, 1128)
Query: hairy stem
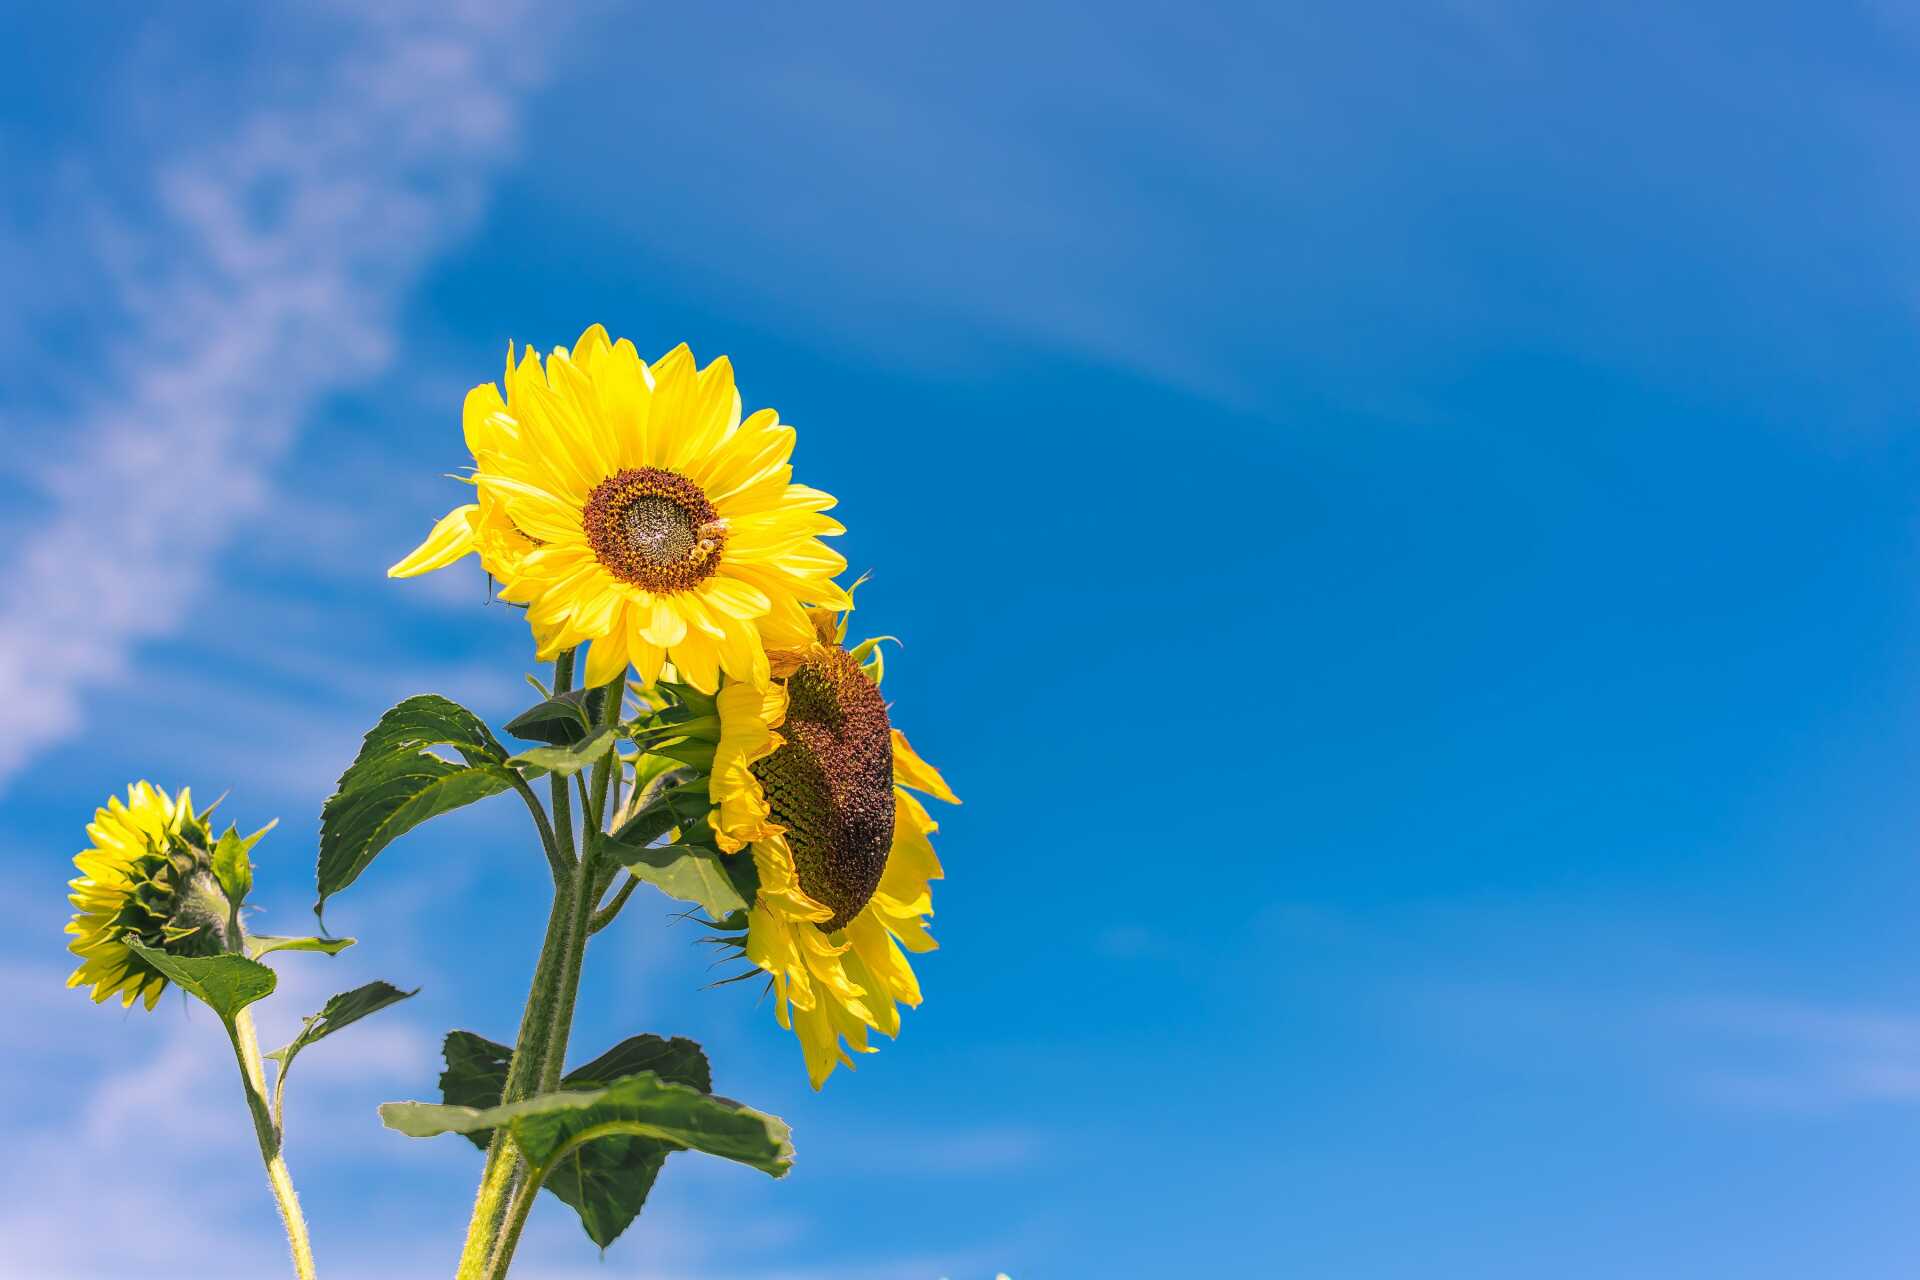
(547, 840)
(503, 1157)
(508, 1186)
(586, 894)
(514, 1201)
(605, 915)
(518, 1207)
(246, 1049)
(562, 802)
(531, 1047)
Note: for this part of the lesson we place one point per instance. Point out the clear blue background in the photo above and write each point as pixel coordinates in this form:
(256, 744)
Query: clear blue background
(1401, 517)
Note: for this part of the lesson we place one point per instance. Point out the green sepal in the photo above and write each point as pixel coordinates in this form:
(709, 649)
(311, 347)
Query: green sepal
(563, 720)
(605, 1181)
(684, 804)
(647, 767)
(694, 701)
(341, 1011)
(673, 719)
(396, 783)
(872, 662)
(231, 865)
(691, 751)
(566, 761)
(260, 944)
(225, 983)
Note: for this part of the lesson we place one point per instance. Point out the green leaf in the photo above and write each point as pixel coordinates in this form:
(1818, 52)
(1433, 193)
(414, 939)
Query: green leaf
(687, 872)
(567, 761)
(679, 1060)
(476, 1075)
(227, 983)
(560, 721)
(549, 1125)
(605, 1181)
(260, 944)
(396, 783)
(231, 865)
(341, 1011)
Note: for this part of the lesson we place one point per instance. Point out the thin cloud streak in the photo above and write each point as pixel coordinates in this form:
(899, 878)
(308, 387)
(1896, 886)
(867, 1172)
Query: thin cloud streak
(271, 278)
(1797, 1056)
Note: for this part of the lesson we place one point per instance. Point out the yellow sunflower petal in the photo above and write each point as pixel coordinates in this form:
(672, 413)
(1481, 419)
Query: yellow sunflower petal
(910, 770)
(606, 659)
(601, 479)
(452, 537)
(485, 421)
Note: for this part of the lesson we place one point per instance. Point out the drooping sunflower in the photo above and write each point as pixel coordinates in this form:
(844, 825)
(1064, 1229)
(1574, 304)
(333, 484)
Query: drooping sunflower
(630, 506)
(148, 875)
(811, 775)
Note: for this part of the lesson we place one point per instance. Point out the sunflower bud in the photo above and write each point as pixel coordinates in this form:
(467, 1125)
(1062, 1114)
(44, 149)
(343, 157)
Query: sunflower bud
(154, 875)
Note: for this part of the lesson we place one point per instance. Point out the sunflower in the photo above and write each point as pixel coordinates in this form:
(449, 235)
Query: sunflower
(148, 875)
(812, 776)
(631, 507)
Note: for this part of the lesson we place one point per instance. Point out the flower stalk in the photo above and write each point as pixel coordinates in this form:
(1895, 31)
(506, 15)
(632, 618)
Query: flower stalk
(508, 1186)
(246, 1050)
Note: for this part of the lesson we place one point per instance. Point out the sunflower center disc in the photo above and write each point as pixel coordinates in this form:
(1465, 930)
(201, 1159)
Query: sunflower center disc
(658, 530)
(831, 784)
(653, 528)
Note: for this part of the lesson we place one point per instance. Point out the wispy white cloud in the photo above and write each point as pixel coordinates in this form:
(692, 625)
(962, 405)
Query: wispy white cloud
(1801, 1056)
(151, 1108)
(269, 278)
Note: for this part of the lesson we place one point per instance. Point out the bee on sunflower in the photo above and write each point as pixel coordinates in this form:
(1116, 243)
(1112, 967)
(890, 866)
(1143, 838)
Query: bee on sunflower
(630, 507)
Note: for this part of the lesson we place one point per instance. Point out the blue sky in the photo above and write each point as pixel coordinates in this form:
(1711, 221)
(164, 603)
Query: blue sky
(1401, 518)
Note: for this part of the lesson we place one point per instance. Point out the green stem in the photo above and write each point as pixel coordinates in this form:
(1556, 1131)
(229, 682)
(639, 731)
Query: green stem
(532, 1046)
(547, 841)
(562, 802)
(246, 1049)
(518, 1208)
(508, 1187)
(586, 894)
(515, 1200)
(502, 1157)
(525, 1192)
(605, 915)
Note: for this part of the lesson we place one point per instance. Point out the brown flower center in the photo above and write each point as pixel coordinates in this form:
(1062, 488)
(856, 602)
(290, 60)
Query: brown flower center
(654, 528)
(831, 783)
